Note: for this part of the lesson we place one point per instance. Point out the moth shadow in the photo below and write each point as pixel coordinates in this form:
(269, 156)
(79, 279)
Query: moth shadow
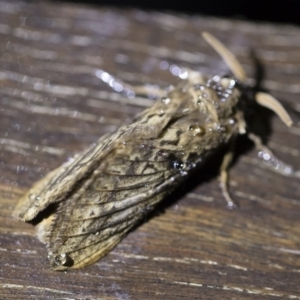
(44, 214)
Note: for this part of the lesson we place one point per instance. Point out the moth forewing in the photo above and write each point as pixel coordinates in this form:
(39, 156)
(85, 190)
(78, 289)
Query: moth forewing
(106, 190)
(30, 204)
(55, 185)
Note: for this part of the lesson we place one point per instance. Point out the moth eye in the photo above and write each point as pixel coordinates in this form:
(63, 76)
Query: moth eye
(178, 165)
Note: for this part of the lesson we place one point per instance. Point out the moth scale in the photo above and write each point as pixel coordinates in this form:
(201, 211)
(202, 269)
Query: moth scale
(106, 190)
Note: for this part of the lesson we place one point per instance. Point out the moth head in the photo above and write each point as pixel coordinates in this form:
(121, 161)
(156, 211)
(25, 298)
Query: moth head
(234, 65)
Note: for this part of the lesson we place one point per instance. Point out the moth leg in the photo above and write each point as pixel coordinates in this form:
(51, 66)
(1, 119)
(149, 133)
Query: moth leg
(270, 159)
(224, 177)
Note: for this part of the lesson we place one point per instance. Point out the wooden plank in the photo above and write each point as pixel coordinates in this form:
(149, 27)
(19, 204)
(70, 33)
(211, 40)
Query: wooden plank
(53, 103)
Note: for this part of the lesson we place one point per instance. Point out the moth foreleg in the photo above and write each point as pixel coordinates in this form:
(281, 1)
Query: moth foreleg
(224, 176)
(270, 159)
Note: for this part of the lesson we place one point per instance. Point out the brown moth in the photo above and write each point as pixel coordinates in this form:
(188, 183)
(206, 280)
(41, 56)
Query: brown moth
(106, 190)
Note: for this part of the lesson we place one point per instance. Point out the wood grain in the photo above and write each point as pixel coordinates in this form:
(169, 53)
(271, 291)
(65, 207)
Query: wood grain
(53, 104)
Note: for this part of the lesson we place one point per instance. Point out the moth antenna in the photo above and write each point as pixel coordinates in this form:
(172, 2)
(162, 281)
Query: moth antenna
(231, 61)
(273, 104)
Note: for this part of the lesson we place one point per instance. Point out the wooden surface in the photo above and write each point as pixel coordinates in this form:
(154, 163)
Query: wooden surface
(54, 104)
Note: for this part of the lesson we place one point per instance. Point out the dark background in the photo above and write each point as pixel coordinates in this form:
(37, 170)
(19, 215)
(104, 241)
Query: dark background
(287, 11)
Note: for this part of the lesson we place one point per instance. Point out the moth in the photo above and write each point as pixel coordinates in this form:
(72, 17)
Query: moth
(106, 190)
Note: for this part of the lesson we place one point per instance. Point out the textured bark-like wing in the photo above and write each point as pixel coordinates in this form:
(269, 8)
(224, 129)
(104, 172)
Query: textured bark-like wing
(55, 185)
(128, 184)
(58, 183)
